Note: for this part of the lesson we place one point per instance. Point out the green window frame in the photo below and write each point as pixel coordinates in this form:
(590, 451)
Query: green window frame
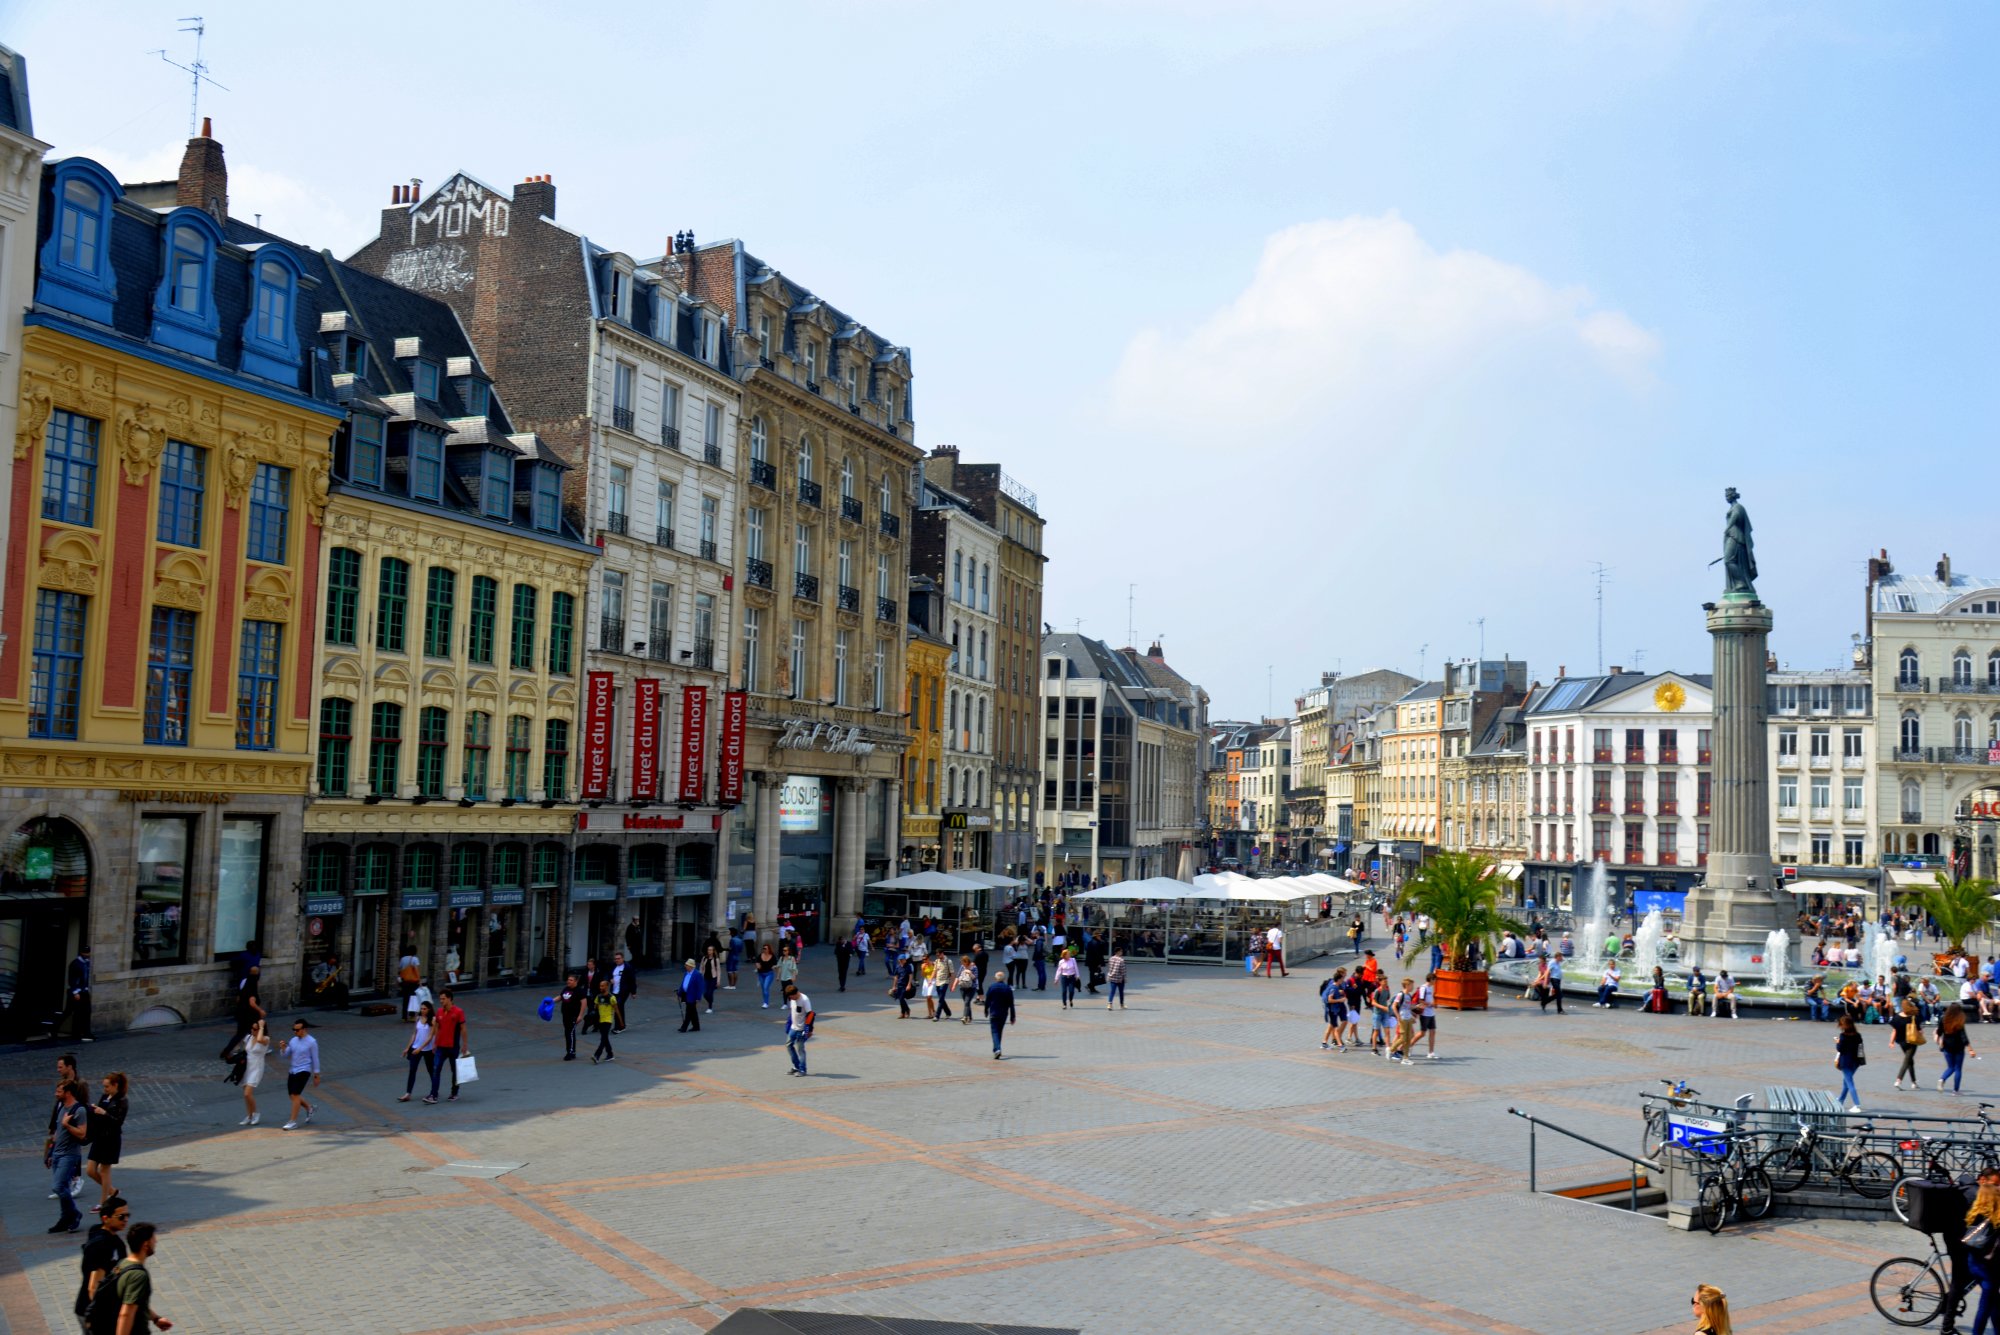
(521, 644)
(555, 758)
(336, 746)
(440, 589)
(392, 605)
(562, 633)
(433, 740)
(343, 595)
(478, 752)
(385, 747)
(519, 728)
(479, 625)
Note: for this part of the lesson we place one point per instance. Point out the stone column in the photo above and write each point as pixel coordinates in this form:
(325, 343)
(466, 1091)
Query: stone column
(892, 820)
(718, 885)
(848, 852)
(1736, 907)
(764, 862)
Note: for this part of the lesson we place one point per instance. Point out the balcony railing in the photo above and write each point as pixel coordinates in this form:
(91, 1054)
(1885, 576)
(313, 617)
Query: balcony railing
(621, 418)
(708, 549)
(1957, 687)
(621, 524)
(1599, 805)
(712, 453)
(1910, 755)
(1819, 762)
(850, 598)
(1704, 756)
(885, 609)
(1788, 812)
(1701, 808)
(663, 537)
(1912, 685)
(704, 653)
(809, 492)
(763, 473)
(1600, 755)
(1854, 762)
(1670, 859)
(1701, 859)
(1635, 857)
(757, 572)
(611, 637)
(660, 647)
(1569, 806)
(1635, 806)
(1635, 755)
(892, 525)
(806, 586)
(1670, 806)
(1788, 760)
(850, 508)
(1670, 755)
(670, 436)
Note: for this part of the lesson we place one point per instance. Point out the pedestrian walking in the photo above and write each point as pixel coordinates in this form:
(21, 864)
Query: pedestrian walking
(1553, 991)
(409, 976)
(103, 1249)
(303, 1052)
(1274, 951)
(421, 1050)
(453, 1042)
(623, 985)
(1711, 1311)
(604, 1012)
(967, 983)
(789, 960)
(902, 982)
(799, 1020)
(75, 1022)
(64, 1157)
(843, 958)
(589, 978)
(1000, 1009)
(1066, 977)
(735, 958)
(1382, 1016)
(123, 1304)
(690, 993)
(1848, 1058)
(1404, 1004)
(979, 961)
(860, 950)
(1038, 953)
(941, 976)
(107, 1135)
(248, 1010)
(1333, 1005)
(1114, 977)
(1954, 1045)
(571, 1001)
(767, 966)
(1017, 972)
(256, 1047)
(1095, 955)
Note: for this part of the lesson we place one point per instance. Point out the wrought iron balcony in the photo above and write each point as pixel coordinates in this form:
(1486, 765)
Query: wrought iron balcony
(763, 473)
(809, 492)
(704, 653)
(892, 525)
(885, 609)
(611, 636)
(757, 572)
(663, 537)
(708, 549)
(620, 524)
(660, 648)
(850, 508)
(1599, 755)
(622, 418)
(806, 586)
(712, 453)
(1912, 685)
(670, 436)
(850, 598)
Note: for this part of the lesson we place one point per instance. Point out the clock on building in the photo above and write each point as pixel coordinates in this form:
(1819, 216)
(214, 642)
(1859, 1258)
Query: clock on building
(1669, 696)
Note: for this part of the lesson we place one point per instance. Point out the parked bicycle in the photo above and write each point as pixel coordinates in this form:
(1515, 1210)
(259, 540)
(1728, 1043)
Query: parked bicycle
(1679, 1094)
(1735, 1187)
(1947, 1159)
(1870, 1173)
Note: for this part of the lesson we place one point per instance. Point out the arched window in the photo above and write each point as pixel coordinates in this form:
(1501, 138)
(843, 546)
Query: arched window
(1892, 843)
(1906, 667)
(76, 271)
(760, 441)
(1961, 668)
(1931, 846)
(1993, 668)
(1961, 729)
(979, 797)
(270, 334)
(187, 270)
(805, 459)
(982, 657)
(81, 226)
(954, 646)
(1913, 731)
(184, 309)
(273, 311)
(951, 787)
(847, 479)
(1913, 801)
(952, 717)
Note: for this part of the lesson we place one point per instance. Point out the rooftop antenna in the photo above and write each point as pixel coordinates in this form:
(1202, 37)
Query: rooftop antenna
(1481, 623)
(1600, 570)
(197, 72)
(1423, 653)
(1131, 591)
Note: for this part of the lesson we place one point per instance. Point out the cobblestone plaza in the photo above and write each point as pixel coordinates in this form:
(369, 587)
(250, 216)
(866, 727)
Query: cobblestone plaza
(1194, 1163)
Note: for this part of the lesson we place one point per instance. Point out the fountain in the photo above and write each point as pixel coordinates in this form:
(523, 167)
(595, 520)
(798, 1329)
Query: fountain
(1777, 960)
(1882, 951)
(1646, 943)
(1590, 909)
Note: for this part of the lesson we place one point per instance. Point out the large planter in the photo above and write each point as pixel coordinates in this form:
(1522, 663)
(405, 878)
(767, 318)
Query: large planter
(1461, 989)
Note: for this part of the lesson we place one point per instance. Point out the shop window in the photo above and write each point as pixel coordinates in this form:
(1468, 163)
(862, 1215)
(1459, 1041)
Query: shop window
(239, 889)
(160, 900)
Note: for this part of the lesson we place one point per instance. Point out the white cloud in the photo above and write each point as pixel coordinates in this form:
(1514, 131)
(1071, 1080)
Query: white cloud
(287, 206)
(1362, 319)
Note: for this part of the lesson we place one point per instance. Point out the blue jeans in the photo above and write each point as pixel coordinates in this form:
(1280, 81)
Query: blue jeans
(1954, 1068)
(428, 1059)
(1068, 988)
(861, 963)
(1041, 975)
(1848, 1094)
(1820, 1010)
(64, 1169)
(998, 1026)
(795, 1043)
(444, 1053)
(1984, 1313)
(1117, 994)
(764, 986)
(1607, 995)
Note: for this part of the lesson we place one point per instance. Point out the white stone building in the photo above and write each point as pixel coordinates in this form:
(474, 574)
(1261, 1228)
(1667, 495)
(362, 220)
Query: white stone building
(1822, 780)
(20, 181)
(968, 553)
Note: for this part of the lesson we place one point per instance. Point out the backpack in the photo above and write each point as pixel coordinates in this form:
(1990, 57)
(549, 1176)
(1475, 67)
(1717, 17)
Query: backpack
(102, 1314)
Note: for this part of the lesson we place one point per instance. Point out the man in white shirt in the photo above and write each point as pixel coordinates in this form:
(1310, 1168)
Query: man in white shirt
(798, 1026)
(618, 992)
(1427, 1011)
(1275, 954)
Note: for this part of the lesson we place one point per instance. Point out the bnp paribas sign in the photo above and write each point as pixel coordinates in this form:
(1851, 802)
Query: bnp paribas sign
(806, 735)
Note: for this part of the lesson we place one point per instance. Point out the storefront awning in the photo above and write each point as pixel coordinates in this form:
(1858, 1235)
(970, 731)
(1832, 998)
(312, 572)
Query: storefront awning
(1363, 852)
(1508, 871)
(1908, 878)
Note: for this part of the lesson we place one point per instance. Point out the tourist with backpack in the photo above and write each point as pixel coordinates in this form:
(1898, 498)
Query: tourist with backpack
(103, 1249)
(123, 1302)
(799, 1020)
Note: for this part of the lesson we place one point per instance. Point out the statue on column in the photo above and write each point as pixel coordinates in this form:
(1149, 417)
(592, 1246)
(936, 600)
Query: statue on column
(1739, 554)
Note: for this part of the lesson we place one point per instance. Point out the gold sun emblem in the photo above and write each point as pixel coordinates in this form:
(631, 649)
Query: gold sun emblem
(1669, 696)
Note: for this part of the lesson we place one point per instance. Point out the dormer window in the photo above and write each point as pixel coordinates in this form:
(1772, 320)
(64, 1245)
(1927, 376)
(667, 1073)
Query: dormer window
(76, 259)
(497, 488)
(274, 301)
(764, 338)
(711, 340)
(424, 378)
(364, 464)
(426, 465)
(353, 356)
(477, 395)
(889, 407)
(184, 302)
(270, 335)
(548, 498)
(188, 265)
(812, 362)
(853, 388)
(81, 230)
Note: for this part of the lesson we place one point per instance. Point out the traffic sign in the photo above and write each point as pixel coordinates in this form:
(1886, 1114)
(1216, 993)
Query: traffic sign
(1698, 1135)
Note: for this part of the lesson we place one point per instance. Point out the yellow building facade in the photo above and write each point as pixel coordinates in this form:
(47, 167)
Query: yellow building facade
(927, 657)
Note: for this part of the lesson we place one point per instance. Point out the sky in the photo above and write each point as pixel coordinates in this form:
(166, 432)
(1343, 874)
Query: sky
(1331, 336)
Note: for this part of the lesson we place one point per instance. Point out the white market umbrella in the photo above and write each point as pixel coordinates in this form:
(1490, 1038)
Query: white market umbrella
(926, 880)
(993, 879)
(1830, 888)
(1151, 888)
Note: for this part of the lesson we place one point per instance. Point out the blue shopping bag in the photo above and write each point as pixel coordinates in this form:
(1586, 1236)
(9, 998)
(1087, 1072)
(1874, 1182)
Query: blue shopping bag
(547, 1010)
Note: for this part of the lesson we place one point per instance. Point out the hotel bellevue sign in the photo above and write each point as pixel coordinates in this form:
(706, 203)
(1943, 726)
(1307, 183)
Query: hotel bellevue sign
(804, 734)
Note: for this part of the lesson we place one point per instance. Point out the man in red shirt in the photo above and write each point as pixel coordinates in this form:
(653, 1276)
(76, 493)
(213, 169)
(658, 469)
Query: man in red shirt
(451, 1043)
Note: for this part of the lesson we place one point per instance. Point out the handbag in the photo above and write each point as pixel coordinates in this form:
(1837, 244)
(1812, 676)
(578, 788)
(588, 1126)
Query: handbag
(468, 1069)
(1979, 1237)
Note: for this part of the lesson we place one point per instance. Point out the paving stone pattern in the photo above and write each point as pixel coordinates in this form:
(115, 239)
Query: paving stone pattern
(1192, 1163)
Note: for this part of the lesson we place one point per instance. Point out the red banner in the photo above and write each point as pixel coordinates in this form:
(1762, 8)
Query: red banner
(694, 740)
(646, 740)
(596, 769)
(729, 778)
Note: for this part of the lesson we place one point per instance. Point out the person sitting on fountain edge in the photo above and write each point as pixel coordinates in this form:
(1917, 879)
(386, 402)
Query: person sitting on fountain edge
(1725, 995)
(1697, 992)
(1816, 1003)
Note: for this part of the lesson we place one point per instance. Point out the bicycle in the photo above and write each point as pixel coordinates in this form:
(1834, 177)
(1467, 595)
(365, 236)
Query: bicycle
(1946, 1160)
(1737, 1187)
(1911, 1292)
(1870, 1173)
(1679, 1094)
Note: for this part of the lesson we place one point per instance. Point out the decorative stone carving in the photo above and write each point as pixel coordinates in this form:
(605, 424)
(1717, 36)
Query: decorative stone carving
(267, 607)
(239, 466)
(36, 405)
(69, 577)
(318, 487)
(179, 593)
(140, 441)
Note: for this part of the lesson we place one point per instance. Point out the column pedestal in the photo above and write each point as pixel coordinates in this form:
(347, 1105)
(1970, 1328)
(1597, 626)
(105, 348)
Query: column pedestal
(1737, 905)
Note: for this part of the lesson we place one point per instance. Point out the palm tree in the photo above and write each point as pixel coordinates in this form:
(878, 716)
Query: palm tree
(1461, 893)
(1959, 908)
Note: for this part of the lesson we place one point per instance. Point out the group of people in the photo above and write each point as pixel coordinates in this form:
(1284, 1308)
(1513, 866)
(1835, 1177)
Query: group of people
(1398, 1014)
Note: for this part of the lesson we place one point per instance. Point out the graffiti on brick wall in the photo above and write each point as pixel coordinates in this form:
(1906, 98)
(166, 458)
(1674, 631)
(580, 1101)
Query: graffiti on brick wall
(462, 207)
(438, 268)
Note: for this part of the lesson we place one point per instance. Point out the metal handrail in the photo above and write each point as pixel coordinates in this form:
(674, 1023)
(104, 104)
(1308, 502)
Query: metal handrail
(1636, 1161)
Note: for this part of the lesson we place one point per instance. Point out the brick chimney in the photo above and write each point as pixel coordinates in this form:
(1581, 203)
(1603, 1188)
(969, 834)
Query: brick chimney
(204, 179)
(536, 197)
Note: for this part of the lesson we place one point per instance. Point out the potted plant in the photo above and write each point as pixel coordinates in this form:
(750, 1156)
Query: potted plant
(1461, 893)
(1959, 908)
